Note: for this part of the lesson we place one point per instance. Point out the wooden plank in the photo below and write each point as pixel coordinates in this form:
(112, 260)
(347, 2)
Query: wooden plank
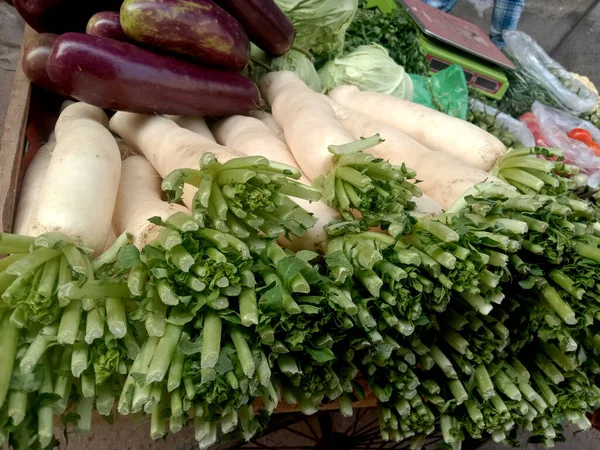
(12, 145)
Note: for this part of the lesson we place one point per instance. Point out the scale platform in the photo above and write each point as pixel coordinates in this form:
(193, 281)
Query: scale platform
(449, 40)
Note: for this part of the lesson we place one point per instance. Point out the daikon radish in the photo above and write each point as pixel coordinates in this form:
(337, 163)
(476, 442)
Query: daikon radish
(139, 199)
(195, 124)
(32, 183)
(269, 121)
(427, 206)
(80, 188)
(437, 131)
(444, 178)
(254, 138)
(309, 123)
(166, 145)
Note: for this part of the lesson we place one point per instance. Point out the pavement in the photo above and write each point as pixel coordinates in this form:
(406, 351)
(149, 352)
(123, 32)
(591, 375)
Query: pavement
(568, 30)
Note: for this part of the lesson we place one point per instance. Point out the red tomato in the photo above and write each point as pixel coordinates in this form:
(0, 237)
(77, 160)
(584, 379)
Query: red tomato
(579, 134)
(595, 147)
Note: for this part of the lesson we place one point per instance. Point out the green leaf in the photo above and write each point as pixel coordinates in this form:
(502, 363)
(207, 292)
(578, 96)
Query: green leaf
(47, 399)
(338, 259)
(190, 347)
(289, 267)
(128, 257)
(271, 301)
(160, 273)
(224, 364)
(306, 255)
(309, 309)
(321, 355)
(421, 321)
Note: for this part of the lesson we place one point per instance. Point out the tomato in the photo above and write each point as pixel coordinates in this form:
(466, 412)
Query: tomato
(595, 147)
(579, 134)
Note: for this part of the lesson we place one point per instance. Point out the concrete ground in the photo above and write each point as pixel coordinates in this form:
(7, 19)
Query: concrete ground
(568, 30)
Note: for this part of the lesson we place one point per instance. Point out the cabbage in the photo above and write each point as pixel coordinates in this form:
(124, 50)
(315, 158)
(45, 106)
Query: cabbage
(298, 62)
(370, 68)
(320, 24)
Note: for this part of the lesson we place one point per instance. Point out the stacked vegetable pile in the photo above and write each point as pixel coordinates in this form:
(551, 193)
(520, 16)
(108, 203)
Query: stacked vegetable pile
(172, 57)
(297, 260)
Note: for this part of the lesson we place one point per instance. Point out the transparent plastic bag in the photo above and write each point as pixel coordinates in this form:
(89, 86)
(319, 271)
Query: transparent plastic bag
(555, 125)
(539, 77)
(518, 129)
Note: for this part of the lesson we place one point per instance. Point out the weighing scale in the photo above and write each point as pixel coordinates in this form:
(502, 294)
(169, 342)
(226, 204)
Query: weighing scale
(449, 40)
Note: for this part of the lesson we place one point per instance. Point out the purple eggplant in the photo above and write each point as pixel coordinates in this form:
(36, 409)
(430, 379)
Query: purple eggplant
(117, 75)
(266, 24)
(106, 24)
(196, 28)
(35, 55)
(60, 16)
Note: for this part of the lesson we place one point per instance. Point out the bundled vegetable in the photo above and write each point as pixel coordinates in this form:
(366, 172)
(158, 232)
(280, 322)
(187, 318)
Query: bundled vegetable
(298, 62)
(86, 159)
(265, 23)
(320, 24)
(370, 68)
(35, 55)
(106, 24)
(437, 131)
(106, 73)
(396, 31)
(199, 29)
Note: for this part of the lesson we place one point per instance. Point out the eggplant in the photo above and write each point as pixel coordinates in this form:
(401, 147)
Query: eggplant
(106, 24)
(60, 16)
(35, 55)
(266, 24)
(121, 76)
(196, 28)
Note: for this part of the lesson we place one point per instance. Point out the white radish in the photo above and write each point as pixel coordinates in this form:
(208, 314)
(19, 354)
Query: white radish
(444, 178)
(437, 131)
(269, 121)
(254, 138)
(167, 146)
(309, 123)
(80, 188)
(30, 188)
(195, 124)
(427, 206)
(139, 199)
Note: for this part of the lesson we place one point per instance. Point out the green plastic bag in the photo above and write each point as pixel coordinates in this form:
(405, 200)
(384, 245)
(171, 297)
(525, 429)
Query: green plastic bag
(445, 91)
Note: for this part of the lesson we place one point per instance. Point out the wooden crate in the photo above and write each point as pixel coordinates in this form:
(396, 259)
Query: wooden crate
(13, 143)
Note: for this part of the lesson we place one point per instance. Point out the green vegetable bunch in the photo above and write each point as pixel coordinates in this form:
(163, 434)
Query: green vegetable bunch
(396, 31)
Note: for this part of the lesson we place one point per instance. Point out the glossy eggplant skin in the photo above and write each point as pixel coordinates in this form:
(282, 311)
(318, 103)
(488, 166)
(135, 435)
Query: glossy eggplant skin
(196, 28)
(60, 16)
(106, 24)
(266, 24)
(35, 55)
(120, 76)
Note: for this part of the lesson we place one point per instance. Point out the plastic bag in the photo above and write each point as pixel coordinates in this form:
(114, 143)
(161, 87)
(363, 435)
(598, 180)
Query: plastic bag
(445, 91)
(530, 121)
(518, 129)
(539, 77)
(555, 125)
